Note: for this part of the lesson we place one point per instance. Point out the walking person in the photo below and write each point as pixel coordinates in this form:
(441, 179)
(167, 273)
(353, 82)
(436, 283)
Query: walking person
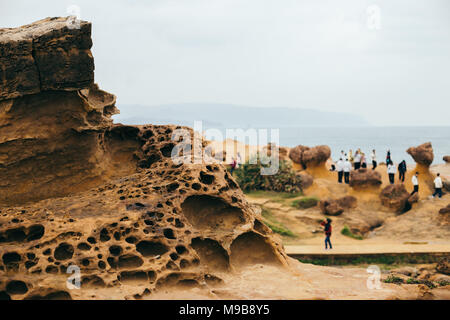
(327, 229)
(438, 186)
(402, 170)
(415, 182)
(340, 169)
(347, 169)
(392, 170)
(357, 160)
(374, 159)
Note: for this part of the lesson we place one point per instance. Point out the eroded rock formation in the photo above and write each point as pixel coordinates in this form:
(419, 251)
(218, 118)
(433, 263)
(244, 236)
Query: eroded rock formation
(78, 190)
(365, 178)
(306, 156)
(422, 154)
(446, 159)
(396, 197)
(335, 207)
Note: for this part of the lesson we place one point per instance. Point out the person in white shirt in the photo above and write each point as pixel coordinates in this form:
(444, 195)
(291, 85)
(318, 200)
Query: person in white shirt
(415, 182)
(357, 160)
(438, 186)
(340, 169)
(347, 169)
(392, 170)
(374, 159)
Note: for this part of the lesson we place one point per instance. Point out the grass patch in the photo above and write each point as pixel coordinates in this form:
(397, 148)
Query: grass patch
(393, 279)
(305, 202)
(385, 262)
(347, 232)
(274, 224)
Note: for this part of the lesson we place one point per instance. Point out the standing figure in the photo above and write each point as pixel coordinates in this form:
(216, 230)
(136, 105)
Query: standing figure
(327, 229)
(402, 170)
(438, 186)
(347, 169)
(392, 170)
(233, 165)
(340, 169)
(374, 159)
(388, 156)
(415, 182)
(357, 160)
(363, 161)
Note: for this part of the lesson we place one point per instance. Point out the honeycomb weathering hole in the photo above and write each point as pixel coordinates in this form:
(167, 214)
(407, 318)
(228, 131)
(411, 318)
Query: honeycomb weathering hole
(211, 253)
(204, 211)
(150, 248)
(64, 251)
(252, 248)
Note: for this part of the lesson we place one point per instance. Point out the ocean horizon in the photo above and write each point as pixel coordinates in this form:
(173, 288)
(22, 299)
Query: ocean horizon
(397, 139)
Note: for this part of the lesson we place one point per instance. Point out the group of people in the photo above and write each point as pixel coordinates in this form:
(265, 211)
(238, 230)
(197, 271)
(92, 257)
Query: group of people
(358, 160)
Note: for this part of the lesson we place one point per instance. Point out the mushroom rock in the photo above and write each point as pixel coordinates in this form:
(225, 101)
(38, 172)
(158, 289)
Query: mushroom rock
(446, 159)
(312, 159)
(365, 178)
(77, 189)
(423, 156)
(396, 197)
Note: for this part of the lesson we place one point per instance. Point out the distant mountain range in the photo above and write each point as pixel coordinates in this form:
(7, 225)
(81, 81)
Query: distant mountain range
(234, 116)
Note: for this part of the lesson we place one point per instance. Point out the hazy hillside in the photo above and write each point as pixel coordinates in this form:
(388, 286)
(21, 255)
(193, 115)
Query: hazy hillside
(232, 116)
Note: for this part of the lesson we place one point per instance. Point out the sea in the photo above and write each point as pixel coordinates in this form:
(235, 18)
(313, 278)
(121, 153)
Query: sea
(382, 139)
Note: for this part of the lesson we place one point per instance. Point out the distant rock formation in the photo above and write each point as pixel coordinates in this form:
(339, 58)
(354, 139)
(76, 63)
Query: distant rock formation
(307, 156)
(364, 178)
(423, 155)
(446, 159)
(76, 189)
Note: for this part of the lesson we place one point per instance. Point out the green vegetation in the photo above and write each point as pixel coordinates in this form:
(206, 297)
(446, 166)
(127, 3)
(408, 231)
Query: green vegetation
(385, 262)
(274, 224)
(249, 177)
(305, 202)
(347, 232)
(428, 283)
(393, 279)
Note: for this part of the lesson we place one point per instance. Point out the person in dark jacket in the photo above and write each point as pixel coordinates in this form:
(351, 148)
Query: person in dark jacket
(327, 229)
(388, 157)
(401, 171)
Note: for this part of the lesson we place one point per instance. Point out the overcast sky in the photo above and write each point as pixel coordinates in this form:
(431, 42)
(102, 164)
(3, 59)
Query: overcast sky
(323, 55)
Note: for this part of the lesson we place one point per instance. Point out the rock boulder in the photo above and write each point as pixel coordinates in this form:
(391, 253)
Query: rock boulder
(422, 154)
(364, 177)
(307, 156)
